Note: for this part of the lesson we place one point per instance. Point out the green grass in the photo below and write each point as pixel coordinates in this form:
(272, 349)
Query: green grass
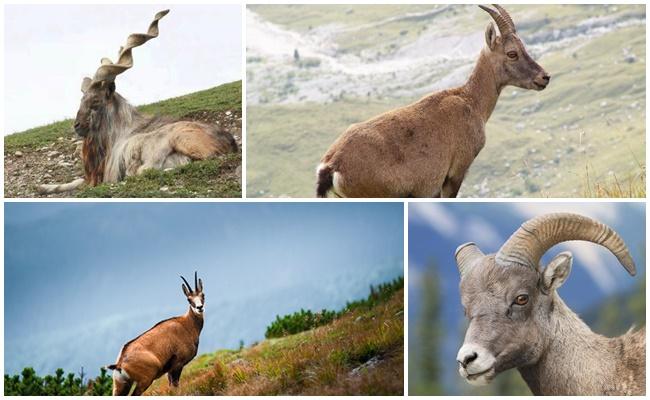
(315, 362)
(210, 178)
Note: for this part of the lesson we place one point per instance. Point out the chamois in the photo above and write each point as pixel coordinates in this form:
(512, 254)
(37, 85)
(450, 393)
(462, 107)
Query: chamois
(426, 148)
(164, 349)
(518, 320)
(118, 141)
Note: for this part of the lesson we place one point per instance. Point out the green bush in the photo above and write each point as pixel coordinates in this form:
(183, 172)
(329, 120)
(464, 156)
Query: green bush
(28, 383)
(304, 320)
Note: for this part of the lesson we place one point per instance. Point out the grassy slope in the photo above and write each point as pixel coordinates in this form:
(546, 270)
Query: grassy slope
(586, 137)
(316, 362)
(211, 178)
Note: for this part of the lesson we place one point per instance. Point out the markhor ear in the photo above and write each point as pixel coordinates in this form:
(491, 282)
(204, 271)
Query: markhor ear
(109, 88)
(85, 84)
(491, 36)
(557, 271)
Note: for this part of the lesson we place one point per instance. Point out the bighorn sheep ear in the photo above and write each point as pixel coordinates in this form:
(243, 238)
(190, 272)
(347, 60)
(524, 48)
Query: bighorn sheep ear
(466, 256)
(85, 84)
(491, 36)
(557, 271)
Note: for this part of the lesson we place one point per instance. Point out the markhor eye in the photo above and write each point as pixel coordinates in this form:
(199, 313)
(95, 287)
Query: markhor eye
(521, 300)
(512, 54)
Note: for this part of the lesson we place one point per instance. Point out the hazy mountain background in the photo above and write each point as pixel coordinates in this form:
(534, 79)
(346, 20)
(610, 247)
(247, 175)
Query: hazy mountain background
(83, 279)
(598, 289)
(312, 70)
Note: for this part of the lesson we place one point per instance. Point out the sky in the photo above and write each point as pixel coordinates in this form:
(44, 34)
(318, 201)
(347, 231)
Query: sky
(437, 229)
(81, 279)
(49, 49)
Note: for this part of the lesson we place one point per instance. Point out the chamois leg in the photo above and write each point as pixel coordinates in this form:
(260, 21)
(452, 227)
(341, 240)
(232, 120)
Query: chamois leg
(121, 387)
(140, 387)
(174, 377)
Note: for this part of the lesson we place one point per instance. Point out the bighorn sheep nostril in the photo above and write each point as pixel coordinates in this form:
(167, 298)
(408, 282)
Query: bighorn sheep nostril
(468, 359)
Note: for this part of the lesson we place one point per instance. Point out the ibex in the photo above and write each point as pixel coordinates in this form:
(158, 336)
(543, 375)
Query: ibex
(518, 320)
(118, 141)
(426, 148)
(164, 349)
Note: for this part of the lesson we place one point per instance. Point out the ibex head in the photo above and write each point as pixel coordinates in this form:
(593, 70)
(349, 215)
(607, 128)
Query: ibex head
(195, 297)
(511, 62)
(98, 92)
(509, 299)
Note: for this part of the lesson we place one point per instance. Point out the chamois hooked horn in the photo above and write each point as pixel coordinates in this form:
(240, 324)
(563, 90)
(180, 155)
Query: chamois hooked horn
(506, 16)
(109, 70)
(529, 243)
(196, 283)
(502, 23)
(466, 255)
(189, 288)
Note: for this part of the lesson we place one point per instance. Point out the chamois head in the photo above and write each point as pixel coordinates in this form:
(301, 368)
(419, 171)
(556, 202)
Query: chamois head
(509, 299)
(511, 62)
(195, 297)
(99, 92)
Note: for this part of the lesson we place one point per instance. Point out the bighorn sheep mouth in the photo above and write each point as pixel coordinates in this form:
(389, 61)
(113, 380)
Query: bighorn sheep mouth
(478, 378)
(539, 86)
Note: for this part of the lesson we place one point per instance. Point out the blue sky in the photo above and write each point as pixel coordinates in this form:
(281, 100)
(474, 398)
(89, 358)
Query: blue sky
(81, 279)
(49, 49)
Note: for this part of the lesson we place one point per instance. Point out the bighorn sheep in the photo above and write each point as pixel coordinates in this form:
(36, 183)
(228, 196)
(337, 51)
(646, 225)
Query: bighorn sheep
(164, 349)
(118, 141)
(518, 320)
(425, 149)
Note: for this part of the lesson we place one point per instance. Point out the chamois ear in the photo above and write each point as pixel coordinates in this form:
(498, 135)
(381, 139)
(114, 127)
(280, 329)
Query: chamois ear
(491, 36)
(200, 285)
(85, 84)
(557, 271)
(185, 290)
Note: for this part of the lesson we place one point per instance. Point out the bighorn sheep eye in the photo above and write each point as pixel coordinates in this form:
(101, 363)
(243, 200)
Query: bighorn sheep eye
(512, 55)
(521, 300)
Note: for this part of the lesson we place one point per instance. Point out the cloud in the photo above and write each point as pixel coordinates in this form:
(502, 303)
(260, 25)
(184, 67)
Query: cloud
(478, 230)
(434, 215)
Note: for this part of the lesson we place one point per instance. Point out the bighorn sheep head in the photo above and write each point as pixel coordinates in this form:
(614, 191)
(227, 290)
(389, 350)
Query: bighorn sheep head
(510, 60)
(98, 91)
(195, 297)
(508, 298)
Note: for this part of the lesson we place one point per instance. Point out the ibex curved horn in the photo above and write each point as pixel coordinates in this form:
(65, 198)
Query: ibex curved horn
(109, 70)
(502, 22)
(529, 243)
(506, 16)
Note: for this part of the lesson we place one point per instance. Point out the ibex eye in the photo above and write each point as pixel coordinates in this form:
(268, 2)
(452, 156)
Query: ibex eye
(521, 300)
(512, 54)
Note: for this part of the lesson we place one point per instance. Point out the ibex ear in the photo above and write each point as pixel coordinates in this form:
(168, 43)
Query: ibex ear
(557, 271)
(186, 290)
(85, 84)
(491, 36)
